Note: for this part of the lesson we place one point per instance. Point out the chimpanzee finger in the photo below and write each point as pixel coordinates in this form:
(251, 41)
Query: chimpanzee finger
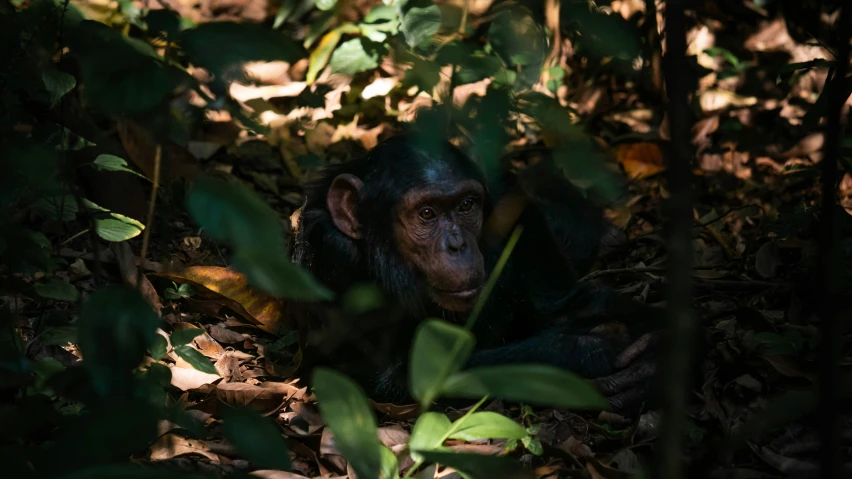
(626, 378)
(628, 398)
(636, 349)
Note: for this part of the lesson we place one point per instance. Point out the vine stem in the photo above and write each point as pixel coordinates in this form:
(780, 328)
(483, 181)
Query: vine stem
(152, 203)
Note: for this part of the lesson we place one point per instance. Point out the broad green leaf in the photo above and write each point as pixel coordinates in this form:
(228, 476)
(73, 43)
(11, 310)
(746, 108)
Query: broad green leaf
(159, 347)
(258, 439)
(389, 464)
(164, 20)
(422, 74)
(275, 274)
(121, 74)
(517, 38)
(232, 213)
(440, 349)
(428, 433)
(184, 336)
(195, 358)
(55, 288)
(487, 425)
(480, 466)
(356, 55)
(57, 83)
(325, 4)
(217, 45)
(421, 19)
(321, 54)
(59, 208)
(347, 412)
(603, 35)
(114, 163)
(116, 328)
(533, 445)
(59, 335)
(529, 383)
(118, 228)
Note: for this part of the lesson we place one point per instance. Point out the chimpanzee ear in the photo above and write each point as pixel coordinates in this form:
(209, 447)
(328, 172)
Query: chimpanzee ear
(342, 202)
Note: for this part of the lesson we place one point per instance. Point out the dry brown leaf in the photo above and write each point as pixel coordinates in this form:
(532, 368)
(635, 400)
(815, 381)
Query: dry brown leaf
(303, 419)
(229, 368)
(641, 159)
(230, 288)
(379, 87)
(189, 378)
(172, 445)
(273, 474)
(176, 161)
(130, 275)
(239, 394)
(718, 99)
(789, 366)
(399, 413)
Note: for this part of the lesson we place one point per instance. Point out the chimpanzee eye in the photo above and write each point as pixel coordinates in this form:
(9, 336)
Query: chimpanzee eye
(427, 213)
(466, 205)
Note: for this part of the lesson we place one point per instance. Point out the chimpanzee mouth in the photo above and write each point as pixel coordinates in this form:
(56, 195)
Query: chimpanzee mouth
(466, 294)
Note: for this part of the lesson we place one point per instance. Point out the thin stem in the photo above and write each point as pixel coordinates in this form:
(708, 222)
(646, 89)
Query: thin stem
(152, 203)
(492, 280)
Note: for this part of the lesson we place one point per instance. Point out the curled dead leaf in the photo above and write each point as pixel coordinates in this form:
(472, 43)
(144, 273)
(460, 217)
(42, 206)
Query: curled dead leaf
(640, 159)
(228, 288)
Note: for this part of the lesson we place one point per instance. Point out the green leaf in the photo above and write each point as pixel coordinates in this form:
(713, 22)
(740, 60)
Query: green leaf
(428, 433)
(159, 347)
(362, 297)
(423, 74)
(217, 45)
(356, 55)
(533, 445)
(122, 75)
(184, 336)
(517, 38)
(58, 208)
(59, 335)
(258, 439)
(421, 19)
(529, 383)
(479, 466)
(603, 35)
(57, 83)
(346, 411)
(278, 276)
(198, 361)
(487, 425)
(118, 228)
(440, 349)
(114, 163)
(233, 214)
(815, 63)
(164, 20)
(116, 328)
(55, 288)
(325, 4)
(321, 54)
(389, 464)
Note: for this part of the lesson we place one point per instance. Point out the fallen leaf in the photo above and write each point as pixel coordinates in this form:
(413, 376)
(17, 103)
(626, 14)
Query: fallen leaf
(172, 445)
(230, 289)
(189, 378)
(640, 159)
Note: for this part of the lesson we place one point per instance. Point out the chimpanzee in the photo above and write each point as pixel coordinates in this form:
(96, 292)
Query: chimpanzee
(412, 218)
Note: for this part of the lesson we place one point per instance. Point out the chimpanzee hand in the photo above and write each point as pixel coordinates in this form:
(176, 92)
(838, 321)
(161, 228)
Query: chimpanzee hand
(631, 383)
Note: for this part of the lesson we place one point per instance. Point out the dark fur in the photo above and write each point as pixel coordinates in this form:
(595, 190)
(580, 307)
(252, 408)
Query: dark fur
(537, 312)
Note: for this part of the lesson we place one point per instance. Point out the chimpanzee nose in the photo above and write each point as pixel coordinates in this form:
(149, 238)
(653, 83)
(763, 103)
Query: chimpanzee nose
(455, 242)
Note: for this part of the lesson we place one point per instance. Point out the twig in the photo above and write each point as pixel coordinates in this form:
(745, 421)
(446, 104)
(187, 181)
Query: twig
(146, 235)
(682, 325)
(829, 370)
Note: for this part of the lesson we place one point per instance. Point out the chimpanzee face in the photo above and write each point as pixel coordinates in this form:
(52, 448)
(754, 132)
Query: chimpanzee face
(437, 228)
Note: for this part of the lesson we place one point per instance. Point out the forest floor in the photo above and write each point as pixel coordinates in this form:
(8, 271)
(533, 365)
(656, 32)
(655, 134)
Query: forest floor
(756, 185)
